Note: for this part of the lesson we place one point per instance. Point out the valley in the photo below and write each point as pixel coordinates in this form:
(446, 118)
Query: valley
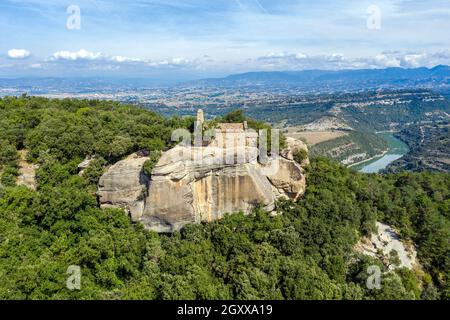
(369, 131)
(341, 126)
(396, 150)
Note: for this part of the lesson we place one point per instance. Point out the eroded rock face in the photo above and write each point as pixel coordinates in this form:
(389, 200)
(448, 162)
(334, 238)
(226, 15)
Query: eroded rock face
(190, 185)
(124, 185)
(289, 180)
(381, 244)
(194, 184)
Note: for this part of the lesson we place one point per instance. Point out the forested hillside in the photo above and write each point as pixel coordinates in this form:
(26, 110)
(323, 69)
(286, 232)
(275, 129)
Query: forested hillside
(355, 146)
(429, 148)
(363, 111)
(305, 252)
(363, 114)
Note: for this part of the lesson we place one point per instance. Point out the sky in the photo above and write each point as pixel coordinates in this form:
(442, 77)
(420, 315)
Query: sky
(208, 38)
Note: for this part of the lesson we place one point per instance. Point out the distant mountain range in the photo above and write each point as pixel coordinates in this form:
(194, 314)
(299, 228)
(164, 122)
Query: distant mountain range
(308, 81)
(319, 80)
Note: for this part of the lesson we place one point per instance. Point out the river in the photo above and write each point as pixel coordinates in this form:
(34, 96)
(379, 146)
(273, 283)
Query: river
(397, 149)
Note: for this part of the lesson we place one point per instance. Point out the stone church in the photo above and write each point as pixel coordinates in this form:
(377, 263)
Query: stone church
(227, 135)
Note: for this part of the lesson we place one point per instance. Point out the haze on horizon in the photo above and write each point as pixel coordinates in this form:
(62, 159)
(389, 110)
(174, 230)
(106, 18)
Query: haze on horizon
(203, 38)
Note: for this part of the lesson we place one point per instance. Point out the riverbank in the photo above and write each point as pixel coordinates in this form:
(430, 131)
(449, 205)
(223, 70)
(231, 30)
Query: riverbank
(396, 150)
(369, 159)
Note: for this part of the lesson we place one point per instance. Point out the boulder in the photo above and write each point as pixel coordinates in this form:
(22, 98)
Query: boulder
(294, 145)
(82, 166)
(124, 185)
(383, 242)
(289, 180)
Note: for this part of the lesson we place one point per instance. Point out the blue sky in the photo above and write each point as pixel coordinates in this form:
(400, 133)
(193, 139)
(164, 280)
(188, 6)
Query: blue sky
(199, 38)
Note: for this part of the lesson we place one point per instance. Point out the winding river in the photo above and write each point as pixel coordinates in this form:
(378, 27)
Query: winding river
(397, 149)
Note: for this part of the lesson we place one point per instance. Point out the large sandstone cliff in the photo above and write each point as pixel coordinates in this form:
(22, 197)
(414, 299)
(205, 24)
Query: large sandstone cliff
(190, 185)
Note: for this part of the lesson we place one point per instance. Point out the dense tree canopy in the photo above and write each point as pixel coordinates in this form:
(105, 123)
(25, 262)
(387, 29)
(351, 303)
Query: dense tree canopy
(304, 252)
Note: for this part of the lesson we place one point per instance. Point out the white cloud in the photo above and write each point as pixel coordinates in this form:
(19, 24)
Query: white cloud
(279, 54)
(85, 61)
(92, 62)
(336, 61)
(180, 61)
(284, 55)
(386, 60)
(414, 60)
(18, 54)
(300, 61)
(76, 55)
(100, 58)
(301, 56)
(411, 59)
(335, 57)
(121, 59)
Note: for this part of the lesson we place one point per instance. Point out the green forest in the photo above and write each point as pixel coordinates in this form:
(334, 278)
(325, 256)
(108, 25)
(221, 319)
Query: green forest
(429, 148)
(304, 252)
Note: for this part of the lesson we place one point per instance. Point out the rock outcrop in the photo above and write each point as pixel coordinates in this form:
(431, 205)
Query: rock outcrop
(27, 171)
(289, 180)
(124, 185)
(191, 185)
(293, 146)
(84, 165)
(382, 244)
